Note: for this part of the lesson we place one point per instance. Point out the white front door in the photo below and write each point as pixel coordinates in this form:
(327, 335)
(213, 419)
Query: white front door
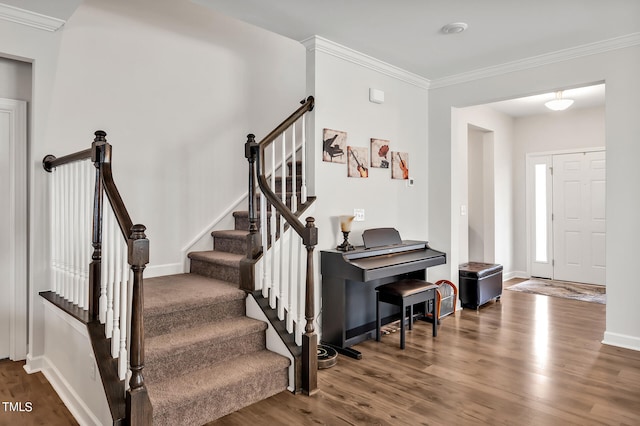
(13, 229)
(579, 217)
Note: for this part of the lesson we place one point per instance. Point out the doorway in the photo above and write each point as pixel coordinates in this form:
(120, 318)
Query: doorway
(566, 199)
(13, 229)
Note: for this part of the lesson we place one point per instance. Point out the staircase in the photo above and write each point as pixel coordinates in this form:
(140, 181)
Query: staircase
(203, 357)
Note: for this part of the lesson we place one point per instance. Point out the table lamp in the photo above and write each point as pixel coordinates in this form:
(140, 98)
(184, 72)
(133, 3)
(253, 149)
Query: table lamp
(345, 227)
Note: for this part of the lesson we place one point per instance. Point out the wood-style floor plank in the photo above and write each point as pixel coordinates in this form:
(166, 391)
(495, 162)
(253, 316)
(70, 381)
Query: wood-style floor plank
(527, 360)
(16, 386)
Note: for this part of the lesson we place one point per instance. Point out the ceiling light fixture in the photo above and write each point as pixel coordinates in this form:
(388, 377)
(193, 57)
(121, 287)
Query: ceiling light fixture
(454, 28)
(559, 103)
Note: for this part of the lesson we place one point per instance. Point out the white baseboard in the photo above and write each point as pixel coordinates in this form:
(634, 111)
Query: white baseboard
(34, 364)
(515, 274)
(69, 397)
(162, 270)
(621, 340)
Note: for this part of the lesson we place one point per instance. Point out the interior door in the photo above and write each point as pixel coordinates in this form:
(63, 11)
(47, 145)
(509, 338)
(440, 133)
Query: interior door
(579, 217)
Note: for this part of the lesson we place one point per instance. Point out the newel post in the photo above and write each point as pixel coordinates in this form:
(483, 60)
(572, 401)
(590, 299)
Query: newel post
(310, 338)
(254, 243)
(139, 410)
(95, 268)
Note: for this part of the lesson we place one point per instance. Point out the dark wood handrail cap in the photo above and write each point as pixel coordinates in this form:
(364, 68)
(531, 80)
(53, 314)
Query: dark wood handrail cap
(404, 288)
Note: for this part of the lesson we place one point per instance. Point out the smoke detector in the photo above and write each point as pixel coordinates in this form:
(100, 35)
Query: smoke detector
(454, 28)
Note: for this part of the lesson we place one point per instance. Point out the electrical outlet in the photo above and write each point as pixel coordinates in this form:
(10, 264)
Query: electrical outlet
(359, 215)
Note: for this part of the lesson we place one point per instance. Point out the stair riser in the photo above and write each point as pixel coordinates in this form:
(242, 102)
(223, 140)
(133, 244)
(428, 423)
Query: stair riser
(166, 322)
(227, 273)
(205, 353)
(230, 245)
(225, 400)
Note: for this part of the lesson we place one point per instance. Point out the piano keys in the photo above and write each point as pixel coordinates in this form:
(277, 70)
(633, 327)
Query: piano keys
(349, 280)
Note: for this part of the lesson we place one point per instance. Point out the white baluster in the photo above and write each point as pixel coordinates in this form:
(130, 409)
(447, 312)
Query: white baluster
(110, 258)
(86, 224)
(124, 358)
(67, 234)
(76, 231)
(115, 339)
(303, 159)
(294, 180)
(274, 282)
(301, 293)
(102, 301)
(264, 232)
(291, 281)
(283, 186)
(53, 194)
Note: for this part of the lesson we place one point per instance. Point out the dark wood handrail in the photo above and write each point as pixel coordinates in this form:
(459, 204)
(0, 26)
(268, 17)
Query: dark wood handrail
(50, 162)
(307, 105)
(259, 148)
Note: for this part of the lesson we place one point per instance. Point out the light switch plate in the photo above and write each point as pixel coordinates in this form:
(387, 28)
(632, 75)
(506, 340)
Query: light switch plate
(359, 215)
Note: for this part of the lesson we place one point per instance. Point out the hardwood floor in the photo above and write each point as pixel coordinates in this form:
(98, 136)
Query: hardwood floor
(16, 386)
(528, 360)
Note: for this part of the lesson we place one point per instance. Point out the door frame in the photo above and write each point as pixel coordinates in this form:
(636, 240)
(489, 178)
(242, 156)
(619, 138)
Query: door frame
(529, 206)
(18, 237)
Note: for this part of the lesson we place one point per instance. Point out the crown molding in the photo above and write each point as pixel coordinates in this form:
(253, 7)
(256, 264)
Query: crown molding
(29, 18)
(540, 60)
(320, 44)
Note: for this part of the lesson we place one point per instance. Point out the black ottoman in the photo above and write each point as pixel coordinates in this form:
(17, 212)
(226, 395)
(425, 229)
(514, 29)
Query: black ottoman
(479, 283)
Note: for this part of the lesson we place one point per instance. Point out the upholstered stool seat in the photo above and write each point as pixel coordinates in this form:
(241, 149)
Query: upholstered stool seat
(406, 293)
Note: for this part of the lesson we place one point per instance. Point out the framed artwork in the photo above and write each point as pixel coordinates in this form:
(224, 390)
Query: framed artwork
(380, 154)
(334, 143)
(358, 162)
(399, 165)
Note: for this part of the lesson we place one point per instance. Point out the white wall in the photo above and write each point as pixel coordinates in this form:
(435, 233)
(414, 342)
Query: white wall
(619, 69)
(15, 79)
(177, 88)
(71, 368)
(496, 180)
(572, 129)
(475, 199)
(341, 87)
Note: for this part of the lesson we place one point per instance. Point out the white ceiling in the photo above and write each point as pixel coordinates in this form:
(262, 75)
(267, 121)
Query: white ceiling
(407, 33)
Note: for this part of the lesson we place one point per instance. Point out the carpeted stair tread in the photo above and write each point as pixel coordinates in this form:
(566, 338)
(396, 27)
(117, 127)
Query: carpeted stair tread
(220, 331)
(217, 257)
(183, 291)
(184, 351)
(214, 391)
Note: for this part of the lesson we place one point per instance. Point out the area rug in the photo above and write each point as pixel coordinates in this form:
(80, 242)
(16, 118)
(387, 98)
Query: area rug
(567, 290)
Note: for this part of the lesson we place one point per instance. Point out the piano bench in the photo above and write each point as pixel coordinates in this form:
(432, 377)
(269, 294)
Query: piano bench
(406, 293)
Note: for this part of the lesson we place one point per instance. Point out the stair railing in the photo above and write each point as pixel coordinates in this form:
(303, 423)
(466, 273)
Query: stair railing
(281, 274)
(105, 291)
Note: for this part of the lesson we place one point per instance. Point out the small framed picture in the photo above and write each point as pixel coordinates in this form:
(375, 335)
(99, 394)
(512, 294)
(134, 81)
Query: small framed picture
(334, 145)
(399, 165)
(358, 162)
(380, 154)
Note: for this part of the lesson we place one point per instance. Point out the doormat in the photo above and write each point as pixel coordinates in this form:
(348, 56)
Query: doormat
(564, 289)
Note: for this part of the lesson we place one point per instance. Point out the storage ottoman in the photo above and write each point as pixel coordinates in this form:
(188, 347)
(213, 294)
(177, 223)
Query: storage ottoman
(479, 283)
